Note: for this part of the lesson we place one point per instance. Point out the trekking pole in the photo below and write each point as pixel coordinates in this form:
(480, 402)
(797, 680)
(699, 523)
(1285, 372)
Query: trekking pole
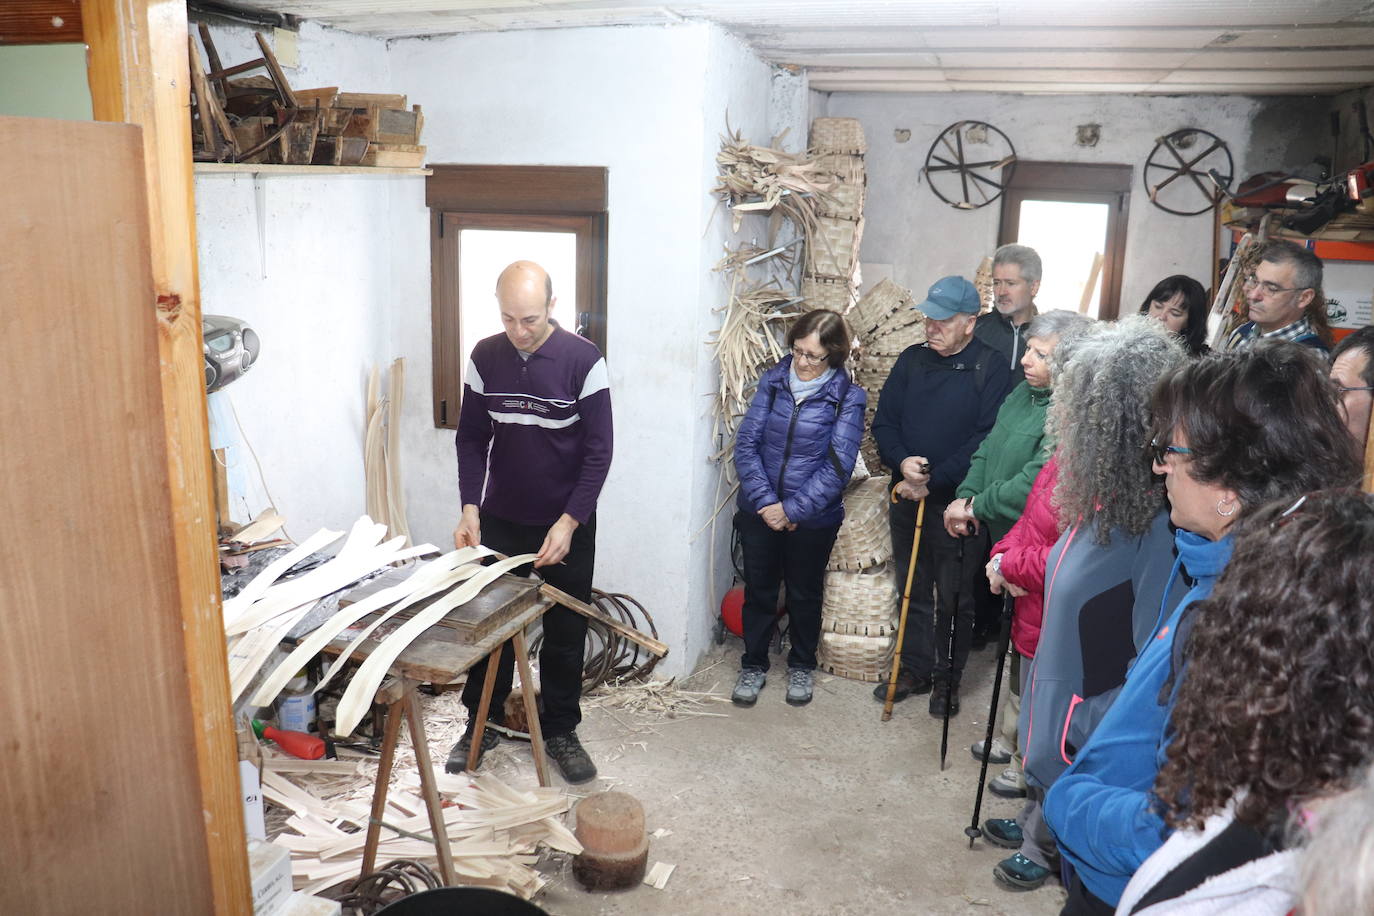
(906, 603)
(973, 831)
(949, 653)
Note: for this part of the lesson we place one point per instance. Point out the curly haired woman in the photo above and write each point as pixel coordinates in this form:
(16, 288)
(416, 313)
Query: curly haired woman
(1248, 755)
(1105, 574)
(1231, 432)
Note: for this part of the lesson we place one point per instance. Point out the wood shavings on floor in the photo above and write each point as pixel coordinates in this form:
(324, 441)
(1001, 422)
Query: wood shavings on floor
(497, 832)
(662, 699)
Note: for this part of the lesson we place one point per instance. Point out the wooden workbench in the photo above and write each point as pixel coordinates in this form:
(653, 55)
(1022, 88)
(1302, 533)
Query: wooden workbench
(470, 633)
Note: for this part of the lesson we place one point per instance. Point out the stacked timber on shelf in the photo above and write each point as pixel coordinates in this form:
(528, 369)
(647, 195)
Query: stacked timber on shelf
(886, 322)
(261, 119)
(831, 277)
(858, 610)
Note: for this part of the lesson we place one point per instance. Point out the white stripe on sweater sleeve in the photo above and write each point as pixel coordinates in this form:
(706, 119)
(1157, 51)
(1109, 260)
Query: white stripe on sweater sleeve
(597, 379)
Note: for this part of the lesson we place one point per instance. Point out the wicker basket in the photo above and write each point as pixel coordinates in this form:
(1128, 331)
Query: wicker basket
(849, 169)
(838, 135)
(862, 603)
(860, 658)
(824, 293)
(835, 247)
(864, 539)
(893, 342)
(845, 200)
(885, 300)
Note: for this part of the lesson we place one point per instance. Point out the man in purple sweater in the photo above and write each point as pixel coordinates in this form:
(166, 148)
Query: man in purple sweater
(534, 446)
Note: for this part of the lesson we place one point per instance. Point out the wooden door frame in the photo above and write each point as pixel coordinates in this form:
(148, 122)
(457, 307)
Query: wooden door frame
(1077, 183)
(137, 53)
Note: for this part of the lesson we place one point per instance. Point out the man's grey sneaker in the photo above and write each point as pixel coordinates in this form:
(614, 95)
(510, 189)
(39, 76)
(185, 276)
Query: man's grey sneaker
(573, 762)
(1011, 784)
(1001, 754)
(458, 757)
(799, 681)
(751, 681)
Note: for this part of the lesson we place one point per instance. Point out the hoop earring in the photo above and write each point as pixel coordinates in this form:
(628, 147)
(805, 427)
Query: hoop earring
(1221, 502)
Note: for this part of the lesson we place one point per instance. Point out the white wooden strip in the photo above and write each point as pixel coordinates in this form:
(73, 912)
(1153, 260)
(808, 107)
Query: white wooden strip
(358, 697)
(244, 667)
(349, 566)
(236, 605)
(395, 492)
(425, 581)
(259, 528)
(460, 574)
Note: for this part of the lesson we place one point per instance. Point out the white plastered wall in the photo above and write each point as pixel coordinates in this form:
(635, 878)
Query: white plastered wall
(924, 239)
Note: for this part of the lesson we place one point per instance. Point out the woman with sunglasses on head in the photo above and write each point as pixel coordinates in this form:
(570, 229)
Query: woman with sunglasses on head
(1254, 762)
(1230, 433)
(794, 453)
(1181, 303)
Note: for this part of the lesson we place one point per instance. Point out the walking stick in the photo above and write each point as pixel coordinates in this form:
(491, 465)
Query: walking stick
(906, 603)
(949, 654)
(973, 831)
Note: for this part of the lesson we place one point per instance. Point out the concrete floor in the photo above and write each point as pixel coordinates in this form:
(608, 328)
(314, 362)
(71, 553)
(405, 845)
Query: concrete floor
(822, 809)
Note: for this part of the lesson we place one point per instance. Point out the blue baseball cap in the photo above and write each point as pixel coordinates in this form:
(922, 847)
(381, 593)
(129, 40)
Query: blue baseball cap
(951, 296)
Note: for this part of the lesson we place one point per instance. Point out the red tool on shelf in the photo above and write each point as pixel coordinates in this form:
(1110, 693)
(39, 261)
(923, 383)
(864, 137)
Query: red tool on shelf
(297, 744)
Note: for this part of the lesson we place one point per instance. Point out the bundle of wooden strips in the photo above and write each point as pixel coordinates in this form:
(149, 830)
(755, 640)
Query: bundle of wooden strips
(864, 539)
(382, 451)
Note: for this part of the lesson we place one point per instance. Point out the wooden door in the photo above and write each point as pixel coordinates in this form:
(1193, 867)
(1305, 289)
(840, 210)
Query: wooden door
(100, 787)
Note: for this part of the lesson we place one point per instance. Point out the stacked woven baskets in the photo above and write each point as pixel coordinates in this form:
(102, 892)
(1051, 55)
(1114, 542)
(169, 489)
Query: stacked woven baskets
(832, 261)
(858, 613)
(886, 323)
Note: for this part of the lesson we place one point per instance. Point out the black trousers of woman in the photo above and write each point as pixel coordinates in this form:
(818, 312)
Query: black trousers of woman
(772, 558)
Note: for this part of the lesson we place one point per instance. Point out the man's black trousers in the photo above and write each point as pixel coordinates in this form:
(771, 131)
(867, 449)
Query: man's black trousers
(563, 650)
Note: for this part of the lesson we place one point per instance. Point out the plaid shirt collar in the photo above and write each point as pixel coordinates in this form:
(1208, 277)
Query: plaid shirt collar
(1295, 331)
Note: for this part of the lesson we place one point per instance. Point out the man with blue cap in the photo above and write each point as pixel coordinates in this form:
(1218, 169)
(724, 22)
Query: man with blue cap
(938, 404)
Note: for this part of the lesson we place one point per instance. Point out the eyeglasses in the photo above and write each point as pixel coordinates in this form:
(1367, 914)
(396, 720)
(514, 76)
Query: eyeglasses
(1160, 452)
(1269, 287)
(1342, 389)
(802, 356)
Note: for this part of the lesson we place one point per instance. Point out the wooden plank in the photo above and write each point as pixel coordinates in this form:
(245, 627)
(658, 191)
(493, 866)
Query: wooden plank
(40, 22)
(138, 65)
(84, 453)
(517, 189)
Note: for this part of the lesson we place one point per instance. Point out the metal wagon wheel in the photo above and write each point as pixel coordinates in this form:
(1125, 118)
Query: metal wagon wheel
(1194, 154)
(970, 164)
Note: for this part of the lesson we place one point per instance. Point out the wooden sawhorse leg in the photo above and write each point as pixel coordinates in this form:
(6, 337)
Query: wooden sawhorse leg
(408, 704)
(522, 659)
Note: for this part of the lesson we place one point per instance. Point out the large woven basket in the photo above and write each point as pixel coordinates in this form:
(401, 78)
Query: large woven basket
(838, 135)
(860, 658)
(823, 293)
(847, 168)
(844, 200)
(885, 303)
(835, 247)
(864, 539)
(894, 340)
(862, 603)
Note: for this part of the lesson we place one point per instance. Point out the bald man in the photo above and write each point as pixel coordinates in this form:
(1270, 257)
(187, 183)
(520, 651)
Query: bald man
(534, 446)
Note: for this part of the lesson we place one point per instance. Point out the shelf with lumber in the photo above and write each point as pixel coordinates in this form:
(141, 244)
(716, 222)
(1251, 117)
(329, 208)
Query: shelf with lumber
(1354, 226)
(232, 168)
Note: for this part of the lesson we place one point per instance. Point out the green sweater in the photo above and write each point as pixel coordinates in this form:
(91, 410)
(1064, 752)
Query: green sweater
(1004, 467)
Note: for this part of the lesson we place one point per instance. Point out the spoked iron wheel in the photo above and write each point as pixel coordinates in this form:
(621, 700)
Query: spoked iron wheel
(1184, 170)
(970, 164)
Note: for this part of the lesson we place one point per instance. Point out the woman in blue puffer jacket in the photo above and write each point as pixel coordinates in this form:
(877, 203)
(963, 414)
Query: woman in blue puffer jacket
(794, 452)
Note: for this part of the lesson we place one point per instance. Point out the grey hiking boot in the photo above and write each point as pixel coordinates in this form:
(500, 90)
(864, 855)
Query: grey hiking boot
(751, 681)
(573, 761)
(799, 681)
(458, 757)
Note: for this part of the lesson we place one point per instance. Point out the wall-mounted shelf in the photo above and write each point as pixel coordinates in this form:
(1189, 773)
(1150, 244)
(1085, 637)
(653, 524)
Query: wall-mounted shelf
(241, 168)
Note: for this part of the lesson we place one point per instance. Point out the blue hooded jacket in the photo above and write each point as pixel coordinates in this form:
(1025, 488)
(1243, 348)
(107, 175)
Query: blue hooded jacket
(799, 454)
(1102, 810)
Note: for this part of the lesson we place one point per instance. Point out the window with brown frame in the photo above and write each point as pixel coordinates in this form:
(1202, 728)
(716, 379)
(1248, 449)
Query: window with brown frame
(480, 202)
(1049, 206)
